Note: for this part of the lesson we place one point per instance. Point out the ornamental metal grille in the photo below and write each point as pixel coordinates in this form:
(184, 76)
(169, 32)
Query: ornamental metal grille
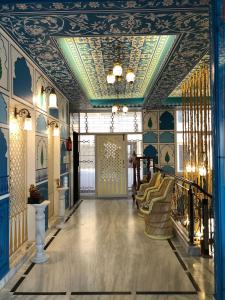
(17, 184)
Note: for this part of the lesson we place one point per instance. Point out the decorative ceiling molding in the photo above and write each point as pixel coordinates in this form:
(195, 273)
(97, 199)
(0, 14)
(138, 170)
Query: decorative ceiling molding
(91, 59)
(35, 33)
(65, 5)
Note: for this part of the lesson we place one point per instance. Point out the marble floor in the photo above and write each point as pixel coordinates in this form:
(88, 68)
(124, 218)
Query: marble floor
(102, 253)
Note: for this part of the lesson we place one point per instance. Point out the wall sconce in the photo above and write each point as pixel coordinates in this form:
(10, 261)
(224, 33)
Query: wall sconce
(52, 96)
(24, 113)
(56, 127)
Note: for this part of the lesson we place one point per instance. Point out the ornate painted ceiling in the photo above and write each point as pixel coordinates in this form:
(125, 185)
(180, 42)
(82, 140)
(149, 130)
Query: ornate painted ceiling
(36, 27)
(177, 92)
(91, 59)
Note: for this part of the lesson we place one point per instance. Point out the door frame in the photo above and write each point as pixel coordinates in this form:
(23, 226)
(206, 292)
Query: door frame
(125, 163)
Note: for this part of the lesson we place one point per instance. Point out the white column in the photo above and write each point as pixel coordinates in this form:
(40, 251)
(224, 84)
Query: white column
(40, 256)
(62, 210)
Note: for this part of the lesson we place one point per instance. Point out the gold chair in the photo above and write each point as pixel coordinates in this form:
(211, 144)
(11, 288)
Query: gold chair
(152, 182)
(153, 185)
(157, 212)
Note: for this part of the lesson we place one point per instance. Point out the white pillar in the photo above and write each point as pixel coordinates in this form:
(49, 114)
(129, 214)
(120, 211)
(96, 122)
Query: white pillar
(40, 256)
(62, 210)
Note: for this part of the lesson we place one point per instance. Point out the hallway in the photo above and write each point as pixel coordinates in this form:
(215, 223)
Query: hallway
(103, 249)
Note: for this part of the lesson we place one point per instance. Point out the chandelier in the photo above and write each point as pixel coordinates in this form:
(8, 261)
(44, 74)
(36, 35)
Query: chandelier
(117, 74)
(116, 108)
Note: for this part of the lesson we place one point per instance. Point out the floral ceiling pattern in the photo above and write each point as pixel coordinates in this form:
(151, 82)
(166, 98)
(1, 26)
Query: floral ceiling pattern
(91, 59)
(36, 33)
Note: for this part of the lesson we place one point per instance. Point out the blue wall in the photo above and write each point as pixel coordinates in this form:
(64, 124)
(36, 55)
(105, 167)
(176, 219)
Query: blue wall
(218, 116)
(4, 237)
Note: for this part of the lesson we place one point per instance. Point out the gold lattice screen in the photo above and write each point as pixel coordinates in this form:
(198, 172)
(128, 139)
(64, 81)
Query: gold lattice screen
(17, 182)
(196, 108)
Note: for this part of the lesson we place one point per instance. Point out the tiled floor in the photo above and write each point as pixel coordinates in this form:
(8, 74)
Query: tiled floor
(103, 249)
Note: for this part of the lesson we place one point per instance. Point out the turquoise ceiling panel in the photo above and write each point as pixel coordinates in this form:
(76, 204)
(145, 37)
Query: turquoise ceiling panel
(92, 58)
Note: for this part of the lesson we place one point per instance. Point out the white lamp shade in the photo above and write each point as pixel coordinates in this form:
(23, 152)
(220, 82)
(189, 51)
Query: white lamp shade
(56, 131)
(117, 70)
(125, 109)
(202, 171)
(28, 123)
(130, 76)
(52, 100)
(111, 78)
(114, 109)
(188, 168)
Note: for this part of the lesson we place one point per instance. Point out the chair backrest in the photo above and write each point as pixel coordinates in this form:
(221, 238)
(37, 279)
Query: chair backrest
(167, 193)
(155, 180)
(164, 184)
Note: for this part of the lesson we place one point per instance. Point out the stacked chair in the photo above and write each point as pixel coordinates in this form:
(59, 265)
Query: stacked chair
(156, 210)
(145, 188)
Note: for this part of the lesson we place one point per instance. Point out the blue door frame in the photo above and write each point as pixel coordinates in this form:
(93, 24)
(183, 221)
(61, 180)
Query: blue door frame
(218, 120)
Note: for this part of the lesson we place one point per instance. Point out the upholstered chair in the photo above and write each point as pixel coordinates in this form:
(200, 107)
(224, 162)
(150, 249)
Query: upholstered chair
(152, 182)
(157, 213)
(153, 185)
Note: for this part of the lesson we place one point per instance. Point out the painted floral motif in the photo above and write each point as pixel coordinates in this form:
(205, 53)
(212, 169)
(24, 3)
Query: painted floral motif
(35, 33)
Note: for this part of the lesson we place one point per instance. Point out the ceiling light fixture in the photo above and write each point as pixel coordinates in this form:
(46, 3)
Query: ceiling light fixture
(52, 96)
(111, 78)
(130, 76)
(24, 113)
(116, 108)
(117, 70)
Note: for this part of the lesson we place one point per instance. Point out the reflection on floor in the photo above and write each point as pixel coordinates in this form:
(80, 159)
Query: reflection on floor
(103, 254)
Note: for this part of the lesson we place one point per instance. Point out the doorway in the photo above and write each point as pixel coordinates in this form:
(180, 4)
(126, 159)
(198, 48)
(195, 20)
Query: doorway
(111, 165)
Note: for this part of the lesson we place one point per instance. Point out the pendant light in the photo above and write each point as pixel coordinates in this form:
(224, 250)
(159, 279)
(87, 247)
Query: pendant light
(130, 76)
(111, 78)
(117, 70)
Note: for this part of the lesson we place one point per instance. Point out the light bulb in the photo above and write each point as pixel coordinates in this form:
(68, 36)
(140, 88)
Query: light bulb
(202, 171)
(130, 76)
(111, 78)
(56, 130)
(28, 123)
(125, 109)
(114, 109)
(52, 99)
(188, 168)
(117, 70)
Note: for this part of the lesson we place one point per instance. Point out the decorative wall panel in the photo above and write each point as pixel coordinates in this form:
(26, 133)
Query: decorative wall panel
(4, 63)
(64, 157)
(4, 136)
(150, 120)
(63, 110)
(41, 124)
(18, 197)
(41, 158)
(51, 181)
(54, 112)
(22, 73)
(4, 102)
(158, 138)
(166, 120)
(4, 234)
(152, 151)
(40, 99)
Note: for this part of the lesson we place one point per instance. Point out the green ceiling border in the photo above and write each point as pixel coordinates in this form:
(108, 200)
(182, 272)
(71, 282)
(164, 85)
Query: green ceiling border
(110, 102)
(145, 79)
